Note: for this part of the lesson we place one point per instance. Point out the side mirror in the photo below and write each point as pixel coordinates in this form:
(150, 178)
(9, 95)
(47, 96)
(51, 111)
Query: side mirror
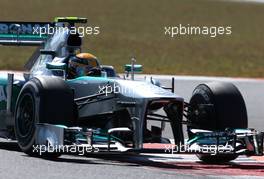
(58, 69)
(132, 68)
(137, 68)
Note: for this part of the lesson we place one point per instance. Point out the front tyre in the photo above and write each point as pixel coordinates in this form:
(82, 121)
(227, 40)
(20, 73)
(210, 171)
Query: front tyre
(25, 119)
(42, 100)
(228, 110)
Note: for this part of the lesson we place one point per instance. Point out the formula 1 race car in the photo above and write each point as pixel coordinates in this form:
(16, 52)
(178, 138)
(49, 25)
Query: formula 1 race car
(59, 103)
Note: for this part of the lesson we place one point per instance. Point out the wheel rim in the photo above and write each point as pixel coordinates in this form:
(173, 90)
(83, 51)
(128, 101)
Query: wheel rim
(200, 118)
(26, 115)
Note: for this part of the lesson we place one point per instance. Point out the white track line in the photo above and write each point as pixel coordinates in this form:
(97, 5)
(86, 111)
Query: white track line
(200, 78)
(177, 77)
(251, 1)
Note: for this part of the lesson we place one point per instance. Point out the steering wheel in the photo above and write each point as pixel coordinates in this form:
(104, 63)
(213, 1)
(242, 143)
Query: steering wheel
(95, 71)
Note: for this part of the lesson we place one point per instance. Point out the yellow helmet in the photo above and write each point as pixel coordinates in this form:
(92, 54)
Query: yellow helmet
(83, 64)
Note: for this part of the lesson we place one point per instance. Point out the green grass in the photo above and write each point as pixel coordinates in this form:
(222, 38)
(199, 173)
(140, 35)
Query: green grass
(136, 28)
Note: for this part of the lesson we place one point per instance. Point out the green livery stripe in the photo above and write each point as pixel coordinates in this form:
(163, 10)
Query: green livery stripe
(24, 36)
(89, 78)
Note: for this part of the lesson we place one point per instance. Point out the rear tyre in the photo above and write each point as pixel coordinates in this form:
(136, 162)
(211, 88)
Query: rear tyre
(228, 111)
(42, 100)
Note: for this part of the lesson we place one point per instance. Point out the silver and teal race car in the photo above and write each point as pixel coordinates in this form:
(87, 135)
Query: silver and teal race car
(46, 110)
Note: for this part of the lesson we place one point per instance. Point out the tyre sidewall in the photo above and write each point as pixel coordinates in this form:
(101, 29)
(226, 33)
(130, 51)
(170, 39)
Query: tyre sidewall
(26, 143)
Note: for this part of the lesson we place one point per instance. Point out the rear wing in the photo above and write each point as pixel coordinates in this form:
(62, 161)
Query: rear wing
(23, 33)
(32, 33)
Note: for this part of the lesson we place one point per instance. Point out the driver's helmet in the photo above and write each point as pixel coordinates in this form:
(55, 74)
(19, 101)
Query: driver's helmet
(83, 64)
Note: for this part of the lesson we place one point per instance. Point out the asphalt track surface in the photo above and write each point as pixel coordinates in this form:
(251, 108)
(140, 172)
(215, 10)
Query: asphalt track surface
(15, 164)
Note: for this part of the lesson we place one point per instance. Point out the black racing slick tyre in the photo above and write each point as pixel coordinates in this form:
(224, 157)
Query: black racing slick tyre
(225, 109)
(42, 100)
